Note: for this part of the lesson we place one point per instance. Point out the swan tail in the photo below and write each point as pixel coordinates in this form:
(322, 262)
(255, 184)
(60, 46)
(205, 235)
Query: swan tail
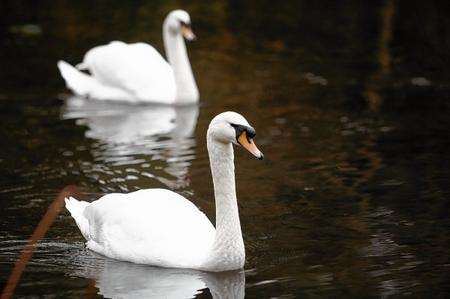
(76, 209)
(80, 83)
(82, 66)
(88, 86)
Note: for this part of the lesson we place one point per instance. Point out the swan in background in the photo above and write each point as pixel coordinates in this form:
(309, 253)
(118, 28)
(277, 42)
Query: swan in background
(161, 228)
(137, 72)
(117, 279)
(132, 130)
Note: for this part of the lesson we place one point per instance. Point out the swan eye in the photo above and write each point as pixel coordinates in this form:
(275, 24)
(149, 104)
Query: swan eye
(186, 30)
(244, 136)
(250, 132)
(184, 24)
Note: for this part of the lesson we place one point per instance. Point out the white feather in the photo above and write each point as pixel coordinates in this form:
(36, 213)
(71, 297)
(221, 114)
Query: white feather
(152, 226)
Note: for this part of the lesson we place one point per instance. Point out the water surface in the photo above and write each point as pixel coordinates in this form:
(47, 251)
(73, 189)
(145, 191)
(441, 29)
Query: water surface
(350, 109)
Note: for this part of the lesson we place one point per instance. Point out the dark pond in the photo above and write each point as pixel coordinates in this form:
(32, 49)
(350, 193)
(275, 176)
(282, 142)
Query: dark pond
(350, 102)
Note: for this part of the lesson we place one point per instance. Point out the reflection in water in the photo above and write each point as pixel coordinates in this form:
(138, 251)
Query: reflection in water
(127, 132)
(374, 98)
(116, 279)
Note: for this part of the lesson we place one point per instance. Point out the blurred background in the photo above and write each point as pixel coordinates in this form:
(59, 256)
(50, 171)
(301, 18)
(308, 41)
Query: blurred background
(350, 101)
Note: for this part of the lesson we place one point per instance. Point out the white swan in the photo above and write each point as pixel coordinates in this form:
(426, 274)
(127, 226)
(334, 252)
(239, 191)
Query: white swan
(137, 72)
(161, 228)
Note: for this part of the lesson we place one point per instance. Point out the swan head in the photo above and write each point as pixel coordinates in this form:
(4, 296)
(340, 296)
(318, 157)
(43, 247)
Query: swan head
(179, 22)
(231, 127)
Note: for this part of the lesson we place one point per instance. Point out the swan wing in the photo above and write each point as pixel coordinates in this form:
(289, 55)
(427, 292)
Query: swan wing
(137, 68)
(152, 226)
(87, 86)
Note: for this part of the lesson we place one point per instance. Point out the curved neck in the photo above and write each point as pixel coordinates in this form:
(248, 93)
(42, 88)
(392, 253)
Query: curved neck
(187, 91)
(228, 250)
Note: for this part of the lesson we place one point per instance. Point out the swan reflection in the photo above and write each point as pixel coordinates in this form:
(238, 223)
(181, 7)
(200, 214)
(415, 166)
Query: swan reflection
(116, 279)
(130, 134)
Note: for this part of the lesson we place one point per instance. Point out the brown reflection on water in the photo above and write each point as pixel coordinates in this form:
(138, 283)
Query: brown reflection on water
(91, 289)
(40, 231)
(374, 98)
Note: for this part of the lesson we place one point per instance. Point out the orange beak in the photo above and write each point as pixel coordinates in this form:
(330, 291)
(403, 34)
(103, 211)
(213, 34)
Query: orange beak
(187, 33)
(249, 145)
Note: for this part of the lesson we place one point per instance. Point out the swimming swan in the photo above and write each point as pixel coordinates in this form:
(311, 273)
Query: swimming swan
(137, 72)
(161, 228)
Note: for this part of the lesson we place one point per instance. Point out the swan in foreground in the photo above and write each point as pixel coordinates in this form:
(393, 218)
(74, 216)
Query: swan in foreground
(161, 228)
(137, 72)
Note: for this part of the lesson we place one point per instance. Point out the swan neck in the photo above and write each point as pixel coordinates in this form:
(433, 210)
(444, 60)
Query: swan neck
(222, 169)
(175, 47)
(228, 248)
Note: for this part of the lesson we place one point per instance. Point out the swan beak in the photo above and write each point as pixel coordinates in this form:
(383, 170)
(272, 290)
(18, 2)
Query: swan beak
(187, 32)
(249, 145)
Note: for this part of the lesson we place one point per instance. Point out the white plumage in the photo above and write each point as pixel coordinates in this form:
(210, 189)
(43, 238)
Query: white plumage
(153, 226)
(162, 228)
(137, 72)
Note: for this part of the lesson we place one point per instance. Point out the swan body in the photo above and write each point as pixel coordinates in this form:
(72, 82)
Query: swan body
(161, 228)
(137, 72)
(175, 233)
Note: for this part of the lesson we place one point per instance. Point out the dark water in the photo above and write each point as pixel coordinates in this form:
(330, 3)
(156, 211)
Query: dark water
(350, 103)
